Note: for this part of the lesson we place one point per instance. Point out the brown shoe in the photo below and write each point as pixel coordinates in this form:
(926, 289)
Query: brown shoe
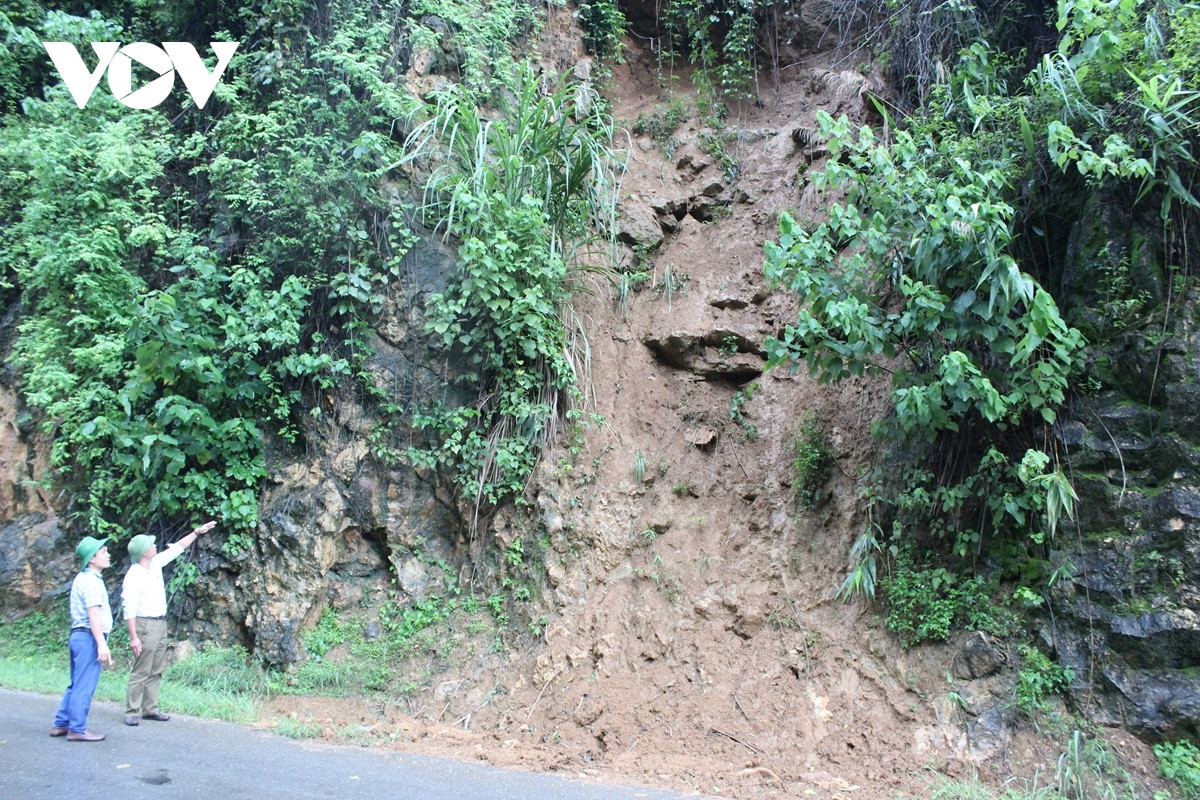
(157, 716)
(131, 720)
(86, 736)
(58, 731)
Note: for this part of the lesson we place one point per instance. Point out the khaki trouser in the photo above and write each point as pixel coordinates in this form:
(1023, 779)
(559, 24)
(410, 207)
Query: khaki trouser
(142, 695)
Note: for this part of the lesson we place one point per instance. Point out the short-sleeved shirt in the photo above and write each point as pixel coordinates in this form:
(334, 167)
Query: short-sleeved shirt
(88, 590)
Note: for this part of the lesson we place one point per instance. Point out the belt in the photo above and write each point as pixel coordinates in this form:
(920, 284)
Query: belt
(159, 617)
(85, 630)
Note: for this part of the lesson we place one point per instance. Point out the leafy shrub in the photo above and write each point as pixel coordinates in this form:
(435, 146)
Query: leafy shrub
(993, 351)
(719, 37)
(1038, 678)
(522, 193)
(36, 634)
(1180, 762)
(483, 34)
(942, 253)
(328, 633)
(929, 603)
(661, 124)
(183, 274)
(813, 461)
(603, 26)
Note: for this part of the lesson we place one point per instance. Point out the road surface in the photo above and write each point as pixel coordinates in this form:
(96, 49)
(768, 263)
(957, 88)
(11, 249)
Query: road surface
(196, 758)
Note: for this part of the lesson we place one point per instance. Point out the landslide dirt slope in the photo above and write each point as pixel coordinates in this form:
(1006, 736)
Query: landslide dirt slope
(697, 641)
(693, 639)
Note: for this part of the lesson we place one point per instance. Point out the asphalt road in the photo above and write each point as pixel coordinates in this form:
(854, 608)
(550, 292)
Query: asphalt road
(196, 758)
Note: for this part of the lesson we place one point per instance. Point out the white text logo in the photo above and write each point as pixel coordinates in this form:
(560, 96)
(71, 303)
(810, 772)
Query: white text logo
(172, 57)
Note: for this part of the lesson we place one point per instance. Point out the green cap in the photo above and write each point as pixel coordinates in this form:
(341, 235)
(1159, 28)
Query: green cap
(88, 548)
(138, 546)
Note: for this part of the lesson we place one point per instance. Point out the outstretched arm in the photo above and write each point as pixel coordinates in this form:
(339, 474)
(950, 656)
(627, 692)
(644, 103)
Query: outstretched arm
(191, 537)
(175, 548)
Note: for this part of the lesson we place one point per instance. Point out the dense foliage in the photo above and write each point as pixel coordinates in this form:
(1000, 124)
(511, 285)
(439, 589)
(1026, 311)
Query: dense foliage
(525, 194)
(947, 238)
(187, 275)
(191, 280)
(1180, 762)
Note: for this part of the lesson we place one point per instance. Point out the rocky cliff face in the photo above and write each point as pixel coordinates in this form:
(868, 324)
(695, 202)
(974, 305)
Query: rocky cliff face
(34, 566)
(338, 523)
(1128, 617)
(337, 526)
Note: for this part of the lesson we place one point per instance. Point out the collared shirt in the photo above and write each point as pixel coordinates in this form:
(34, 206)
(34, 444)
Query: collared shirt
(143, 593)
(88, 590)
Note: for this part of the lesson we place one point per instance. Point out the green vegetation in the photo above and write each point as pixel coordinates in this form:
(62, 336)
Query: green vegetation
(670, 284)
(406, 647)
(484, 37)
(189, 278)
(738, 412)
(298, 729)
(1180, 762)
(685, 488)
(668, 585)
(525, 195)
(943, 258)
(716, 144)
(1087, 769)
(661, 123)
(368, 663)
(986, 348)
(603, 25)
(193, 280)
(224, 683)
(813, 462)
(863, 576)
(218, 683)
(720, 38)
(1038, 678)
(929, 603)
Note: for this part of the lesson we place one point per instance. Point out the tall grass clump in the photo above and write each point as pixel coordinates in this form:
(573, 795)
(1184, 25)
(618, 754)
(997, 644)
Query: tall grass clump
(528, 192)
(224, 683)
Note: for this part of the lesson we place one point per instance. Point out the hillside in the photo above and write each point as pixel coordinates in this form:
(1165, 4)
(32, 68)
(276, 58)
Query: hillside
(660, 604)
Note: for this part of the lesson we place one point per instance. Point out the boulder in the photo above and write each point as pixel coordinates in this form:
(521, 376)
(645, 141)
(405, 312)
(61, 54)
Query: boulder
(638, 227)
(715, 354)
(978, 658)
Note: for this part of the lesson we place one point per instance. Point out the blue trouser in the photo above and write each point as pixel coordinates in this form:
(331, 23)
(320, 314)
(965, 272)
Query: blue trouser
(85, 674)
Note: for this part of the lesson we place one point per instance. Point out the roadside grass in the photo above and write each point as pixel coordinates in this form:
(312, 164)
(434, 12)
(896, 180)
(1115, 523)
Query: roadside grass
(1087, 769)
(973, 789)
(411, 649)
(297, 729)
(45, 675)
(215, 683)
(186, 688)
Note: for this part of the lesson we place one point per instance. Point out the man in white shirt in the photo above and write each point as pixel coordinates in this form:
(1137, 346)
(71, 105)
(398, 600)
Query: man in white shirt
(144, 602)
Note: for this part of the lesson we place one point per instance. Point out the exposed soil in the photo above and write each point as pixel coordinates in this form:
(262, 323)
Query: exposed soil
(695, 642)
